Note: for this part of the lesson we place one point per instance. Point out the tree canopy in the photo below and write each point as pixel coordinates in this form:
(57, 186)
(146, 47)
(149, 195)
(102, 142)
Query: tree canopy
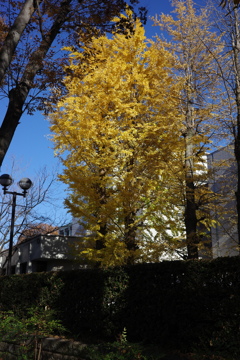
(196, 46)
(117, 133)
(30, 56)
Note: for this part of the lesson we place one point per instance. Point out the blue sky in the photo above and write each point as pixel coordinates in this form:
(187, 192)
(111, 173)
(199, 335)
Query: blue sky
(31, 147)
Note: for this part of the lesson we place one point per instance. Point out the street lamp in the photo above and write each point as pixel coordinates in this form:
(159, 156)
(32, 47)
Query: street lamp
(24, 184)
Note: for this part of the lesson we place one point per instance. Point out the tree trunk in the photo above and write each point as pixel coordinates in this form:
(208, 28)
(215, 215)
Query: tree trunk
(100, 243)
(236, 51)
(18, 95)
(130, 236)
(102, 193)
(190, 216)
(14, 35)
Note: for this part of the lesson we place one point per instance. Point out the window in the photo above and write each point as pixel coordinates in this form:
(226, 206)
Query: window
(66, 231)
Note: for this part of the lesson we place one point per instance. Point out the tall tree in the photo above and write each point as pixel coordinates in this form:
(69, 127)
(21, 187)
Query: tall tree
(228, 24)
(196, 47)
(29, 55)
(117, 133)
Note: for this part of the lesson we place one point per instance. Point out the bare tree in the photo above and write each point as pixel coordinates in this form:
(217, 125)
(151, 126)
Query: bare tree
(28, 211)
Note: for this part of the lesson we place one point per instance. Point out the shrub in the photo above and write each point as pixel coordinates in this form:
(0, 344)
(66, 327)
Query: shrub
(179, 304)
(27, 333)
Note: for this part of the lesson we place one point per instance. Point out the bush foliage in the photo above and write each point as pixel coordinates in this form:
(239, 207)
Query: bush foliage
(178, 304)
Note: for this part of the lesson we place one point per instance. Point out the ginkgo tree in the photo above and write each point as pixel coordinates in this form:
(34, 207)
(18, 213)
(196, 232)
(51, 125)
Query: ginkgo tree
(32, 33)
(228, 20)
(196, 48)
(117, 134)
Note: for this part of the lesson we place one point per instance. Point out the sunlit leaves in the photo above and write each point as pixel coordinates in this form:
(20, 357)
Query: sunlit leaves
(118, 132)
(197, 52)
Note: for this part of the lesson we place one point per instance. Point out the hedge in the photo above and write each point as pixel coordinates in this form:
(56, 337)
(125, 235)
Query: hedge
(180, 304)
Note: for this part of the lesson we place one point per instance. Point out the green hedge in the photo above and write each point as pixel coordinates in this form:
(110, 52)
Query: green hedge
(178, 304)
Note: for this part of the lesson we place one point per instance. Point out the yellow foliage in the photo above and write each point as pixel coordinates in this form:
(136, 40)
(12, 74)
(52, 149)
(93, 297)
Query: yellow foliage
(197, 49)
(117, 132)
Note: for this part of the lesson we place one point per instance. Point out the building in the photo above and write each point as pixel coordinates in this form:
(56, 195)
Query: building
(223, 182)
(41, 253)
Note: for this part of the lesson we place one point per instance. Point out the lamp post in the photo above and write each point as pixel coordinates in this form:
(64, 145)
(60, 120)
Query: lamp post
(24, 184)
